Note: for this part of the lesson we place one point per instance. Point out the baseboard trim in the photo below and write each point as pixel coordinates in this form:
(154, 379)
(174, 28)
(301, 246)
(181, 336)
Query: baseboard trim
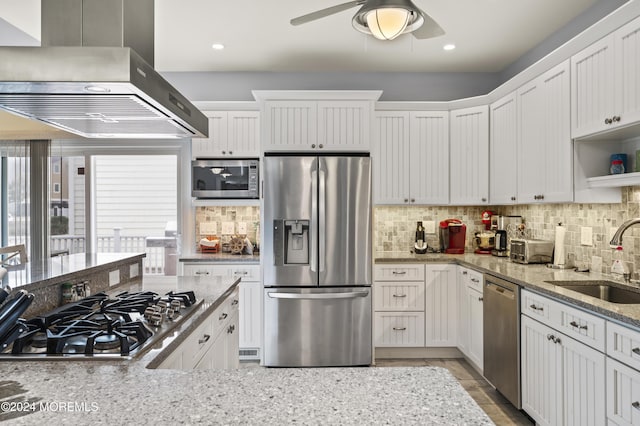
(411, 353)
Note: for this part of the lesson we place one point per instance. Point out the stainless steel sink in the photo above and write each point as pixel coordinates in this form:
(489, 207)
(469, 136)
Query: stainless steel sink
(610, 291)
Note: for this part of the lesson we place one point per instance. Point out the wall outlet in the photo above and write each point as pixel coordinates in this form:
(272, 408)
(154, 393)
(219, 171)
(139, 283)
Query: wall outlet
(208, 228)
(429, 226)
(596, 264)
(242, 228)
(134, 270)
(114, 277)
(586, 236)
(228, 228)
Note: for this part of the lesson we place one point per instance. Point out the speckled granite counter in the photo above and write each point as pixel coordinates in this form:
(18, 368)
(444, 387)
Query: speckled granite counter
(533, 277)
(221, 257)
(94, 392)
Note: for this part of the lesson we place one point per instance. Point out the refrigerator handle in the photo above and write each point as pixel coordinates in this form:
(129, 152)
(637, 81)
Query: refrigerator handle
(313, 243)
(345, 295)
(322, 221)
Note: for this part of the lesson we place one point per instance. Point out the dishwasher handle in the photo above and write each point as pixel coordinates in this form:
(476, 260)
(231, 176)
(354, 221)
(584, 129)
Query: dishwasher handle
(501, 290)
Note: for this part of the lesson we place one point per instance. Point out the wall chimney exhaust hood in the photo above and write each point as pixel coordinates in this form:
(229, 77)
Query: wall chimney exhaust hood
(90, 77)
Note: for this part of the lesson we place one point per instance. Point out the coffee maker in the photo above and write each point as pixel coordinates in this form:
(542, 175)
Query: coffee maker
(452, 236)
(420, 245)
(505, 228)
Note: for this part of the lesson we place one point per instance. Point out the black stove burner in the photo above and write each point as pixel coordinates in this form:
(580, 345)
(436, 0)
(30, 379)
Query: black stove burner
(39, 340)
(106, 341)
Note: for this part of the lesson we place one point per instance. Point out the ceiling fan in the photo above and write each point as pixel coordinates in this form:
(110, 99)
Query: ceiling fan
(384, 19)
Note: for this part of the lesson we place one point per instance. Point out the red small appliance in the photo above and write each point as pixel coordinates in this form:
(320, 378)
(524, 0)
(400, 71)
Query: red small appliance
(452, 236)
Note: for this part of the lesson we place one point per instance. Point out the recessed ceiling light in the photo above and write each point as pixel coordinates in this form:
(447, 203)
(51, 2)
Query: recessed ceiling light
(449, 46)
(217, 46)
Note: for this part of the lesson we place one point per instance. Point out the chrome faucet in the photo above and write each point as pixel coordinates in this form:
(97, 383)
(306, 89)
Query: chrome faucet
(616, 241)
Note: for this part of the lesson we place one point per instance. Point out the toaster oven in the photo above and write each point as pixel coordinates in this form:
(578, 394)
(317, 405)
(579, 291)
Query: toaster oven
(531, 251)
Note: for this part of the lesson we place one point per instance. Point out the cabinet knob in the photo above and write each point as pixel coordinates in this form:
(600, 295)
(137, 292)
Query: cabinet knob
(320, 146)
(464, 272)
(616, 118)
(204, 339)
(313, 145)
(636, 405)
(413, 200)
(608, 121)
(406, 200)
(484, 200)
(513, 198)
(636, 351)
(223, 316)
(230, 152)
(235, 302)
(231, 329)
(480, 299)
(224, 152)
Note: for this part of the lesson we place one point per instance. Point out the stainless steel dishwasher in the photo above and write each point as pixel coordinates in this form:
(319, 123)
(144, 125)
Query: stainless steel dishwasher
(501, 313)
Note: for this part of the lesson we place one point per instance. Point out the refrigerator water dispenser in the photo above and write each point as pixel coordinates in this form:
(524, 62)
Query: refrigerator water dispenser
(292, 242)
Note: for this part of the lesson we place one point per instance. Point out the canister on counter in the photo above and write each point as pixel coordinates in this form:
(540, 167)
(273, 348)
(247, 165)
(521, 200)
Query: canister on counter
(67, 293)
(618, 163)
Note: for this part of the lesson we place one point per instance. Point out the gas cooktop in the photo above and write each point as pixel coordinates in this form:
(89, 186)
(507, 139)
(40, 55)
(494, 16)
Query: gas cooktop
(101, 327)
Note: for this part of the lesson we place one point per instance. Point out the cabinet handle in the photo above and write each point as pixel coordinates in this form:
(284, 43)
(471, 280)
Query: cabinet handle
(475, 280)
(550, 337)
(399, 295)
(536, 308)
(616, 118)
(202, 272)
(231, 329)
(608, 121)
(313, 145)
(399, 328)
(235, 302)
(636, 351)
(406, 200)
(399, 273)
(480, 299)
(553, 338)
(223, 316)
(464, 272)
(575, 324)
(320, 146)
(204, 339)
(636, 405)
(240, 273)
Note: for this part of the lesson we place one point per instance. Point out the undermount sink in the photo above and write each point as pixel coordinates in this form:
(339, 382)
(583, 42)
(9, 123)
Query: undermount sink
(610, 291)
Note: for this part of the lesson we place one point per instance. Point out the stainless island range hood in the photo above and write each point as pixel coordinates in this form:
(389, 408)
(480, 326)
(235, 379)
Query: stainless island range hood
(90, 77)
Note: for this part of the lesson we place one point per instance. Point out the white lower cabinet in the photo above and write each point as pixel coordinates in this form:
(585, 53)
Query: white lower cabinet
(563, 380)
(415, 305)
(623, 375)
(213, 344)
(470, 317)
(250, 311)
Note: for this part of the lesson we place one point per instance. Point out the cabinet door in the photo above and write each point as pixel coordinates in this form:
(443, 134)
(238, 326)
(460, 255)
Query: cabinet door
(531, 144)
(232, 348)
(583, 384)
(476, 339)
(243, 134)
(216, 143)
(428, 157)
(557, 174)
(441, 301)
(627, 80)
(541, 370)
(593, 88)
(391, 155)
(469, 159)
(250, 315)
(463, 311)
(290, 125)
(503, 159)
(623, 394)
(399, 296)
(344, 125)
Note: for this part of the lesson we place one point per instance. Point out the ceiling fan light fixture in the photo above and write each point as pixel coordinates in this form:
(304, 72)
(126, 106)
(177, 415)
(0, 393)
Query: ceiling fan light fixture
(387, 23)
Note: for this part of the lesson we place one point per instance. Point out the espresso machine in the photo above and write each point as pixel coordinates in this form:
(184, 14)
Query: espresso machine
(505, 228)
(452, 236)
(420, 245)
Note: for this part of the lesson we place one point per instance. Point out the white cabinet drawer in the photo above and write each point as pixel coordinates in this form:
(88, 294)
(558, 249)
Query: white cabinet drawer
(246, 272)
(203, 269)
(623, 394)
(413, 272)
(536, 306)
(623, 344)
(398, 296)
(224, 312)
(472, 279)
(399, 329)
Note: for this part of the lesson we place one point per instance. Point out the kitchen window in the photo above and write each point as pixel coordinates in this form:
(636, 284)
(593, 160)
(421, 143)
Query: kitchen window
(15, 173)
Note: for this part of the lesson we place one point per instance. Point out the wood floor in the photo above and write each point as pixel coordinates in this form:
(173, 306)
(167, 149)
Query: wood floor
(494, 404)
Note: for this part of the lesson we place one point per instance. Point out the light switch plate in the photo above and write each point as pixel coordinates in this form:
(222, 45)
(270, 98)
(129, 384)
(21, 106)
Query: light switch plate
(208, 228)
(228, 228)
(429, 226)
(242, 228)
(586, 236)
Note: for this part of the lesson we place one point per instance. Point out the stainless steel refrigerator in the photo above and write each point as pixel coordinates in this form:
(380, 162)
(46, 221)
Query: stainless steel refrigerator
(317, 260)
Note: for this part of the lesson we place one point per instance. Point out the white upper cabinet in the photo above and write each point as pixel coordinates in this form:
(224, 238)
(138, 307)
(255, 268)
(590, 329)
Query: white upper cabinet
(469, 156)
(410, 157)
(231, 134)
(606, 83)
(545, 149)
(330, 121)
(503, 187)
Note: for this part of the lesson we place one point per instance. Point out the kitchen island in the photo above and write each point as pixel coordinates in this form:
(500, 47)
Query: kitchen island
(128, 391)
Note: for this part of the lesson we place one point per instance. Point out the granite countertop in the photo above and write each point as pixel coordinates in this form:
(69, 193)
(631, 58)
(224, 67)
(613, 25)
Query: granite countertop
(59, 268)
(532, 276)
(221, 257)
(113, 392)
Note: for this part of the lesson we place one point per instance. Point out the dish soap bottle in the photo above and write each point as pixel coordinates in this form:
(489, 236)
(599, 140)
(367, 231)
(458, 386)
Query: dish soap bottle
(618, 267)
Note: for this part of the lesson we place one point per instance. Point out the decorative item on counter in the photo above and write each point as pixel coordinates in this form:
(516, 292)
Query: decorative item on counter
(486, 219)
(67, 293)
(248, 247)
(618, 267)
(209, 244)
(420, 245)
(236, 245)
(618, 164)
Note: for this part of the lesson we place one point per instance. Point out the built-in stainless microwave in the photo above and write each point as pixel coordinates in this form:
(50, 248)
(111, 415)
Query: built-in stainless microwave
(225, 178)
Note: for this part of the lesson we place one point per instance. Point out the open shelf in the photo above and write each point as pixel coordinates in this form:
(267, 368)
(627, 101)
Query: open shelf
(613, 181)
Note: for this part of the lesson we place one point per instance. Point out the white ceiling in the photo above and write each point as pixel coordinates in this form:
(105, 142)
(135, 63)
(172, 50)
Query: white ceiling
(489, 35)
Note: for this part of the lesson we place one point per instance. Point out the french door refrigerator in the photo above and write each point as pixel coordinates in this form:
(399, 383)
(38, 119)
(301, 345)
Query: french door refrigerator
(317, 260)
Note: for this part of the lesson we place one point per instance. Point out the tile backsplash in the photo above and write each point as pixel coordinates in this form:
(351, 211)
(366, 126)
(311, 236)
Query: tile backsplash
(394, 226)
(250, 215)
